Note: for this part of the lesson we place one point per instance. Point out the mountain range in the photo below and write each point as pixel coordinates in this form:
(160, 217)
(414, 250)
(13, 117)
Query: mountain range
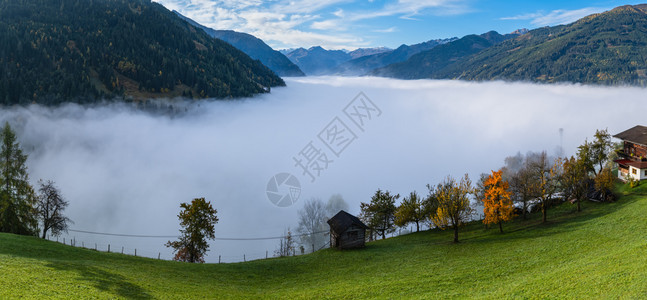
(84, 51)
(69, 50)
(365, 64)
(317, 60)
(604, 48)
(254, 47)
(426, 63)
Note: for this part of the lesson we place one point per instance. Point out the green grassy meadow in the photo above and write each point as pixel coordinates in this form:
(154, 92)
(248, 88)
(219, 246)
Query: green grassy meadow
(600, 252)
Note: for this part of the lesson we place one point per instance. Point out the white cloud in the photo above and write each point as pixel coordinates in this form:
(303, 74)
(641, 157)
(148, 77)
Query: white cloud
(556, 17)
(328, 25)
(308, 39)
(288, 23)
(407, 9)
(527, 16)
(281, 24)
(387, 30)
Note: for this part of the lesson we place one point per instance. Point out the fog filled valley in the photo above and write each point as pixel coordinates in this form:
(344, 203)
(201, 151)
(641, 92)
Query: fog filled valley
(126, 171)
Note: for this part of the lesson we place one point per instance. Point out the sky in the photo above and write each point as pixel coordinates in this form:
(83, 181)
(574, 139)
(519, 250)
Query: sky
(351, 24)
(126, 171)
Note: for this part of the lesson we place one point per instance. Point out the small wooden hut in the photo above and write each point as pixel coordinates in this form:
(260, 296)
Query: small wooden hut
(346, 231)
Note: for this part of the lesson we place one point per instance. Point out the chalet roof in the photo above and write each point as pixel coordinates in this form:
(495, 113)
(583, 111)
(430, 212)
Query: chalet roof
(633, 163)
(637, 134)
(342, 220)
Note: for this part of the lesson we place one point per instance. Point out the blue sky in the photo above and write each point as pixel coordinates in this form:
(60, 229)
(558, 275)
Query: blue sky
(336, 24)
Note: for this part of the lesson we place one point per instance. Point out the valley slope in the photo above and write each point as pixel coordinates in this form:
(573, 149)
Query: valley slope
(608, 48)
(86, 51)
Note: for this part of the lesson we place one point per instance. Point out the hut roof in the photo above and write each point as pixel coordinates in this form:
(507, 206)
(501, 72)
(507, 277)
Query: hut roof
(342, 220)
(636, 134)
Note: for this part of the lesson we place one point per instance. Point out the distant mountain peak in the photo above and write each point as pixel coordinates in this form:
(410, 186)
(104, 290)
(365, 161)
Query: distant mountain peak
(254, 47)
(520, 31)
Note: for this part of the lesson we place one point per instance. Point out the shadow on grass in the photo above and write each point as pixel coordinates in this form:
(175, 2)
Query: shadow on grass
(67, 259)
(103, 280)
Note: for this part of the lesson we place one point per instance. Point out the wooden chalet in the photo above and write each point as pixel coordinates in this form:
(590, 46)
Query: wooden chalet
(346, 231)
(632, 158)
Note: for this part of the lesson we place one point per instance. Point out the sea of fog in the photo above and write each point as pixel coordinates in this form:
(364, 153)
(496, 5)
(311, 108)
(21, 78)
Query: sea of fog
(126, 171)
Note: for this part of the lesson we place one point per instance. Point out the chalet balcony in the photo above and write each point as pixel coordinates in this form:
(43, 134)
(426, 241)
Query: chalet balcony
(622, 154)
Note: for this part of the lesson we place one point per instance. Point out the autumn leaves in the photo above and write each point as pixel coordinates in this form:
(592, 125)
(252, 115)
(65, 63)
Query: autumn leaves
(497, 202)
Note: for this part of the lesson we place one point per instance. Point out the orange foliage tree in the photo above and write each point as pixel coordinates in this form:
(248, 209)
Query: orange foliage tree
(497, 202)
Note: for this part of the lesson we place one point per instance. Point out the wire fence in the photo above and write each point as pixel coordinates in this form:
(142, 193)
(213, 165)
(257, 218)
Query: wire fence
(163, 255)
(245, 256)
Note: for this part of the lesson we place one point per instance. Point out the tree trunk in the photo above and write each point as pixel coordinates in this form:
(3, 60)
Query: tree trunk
(578, 204)
(383, 234)
(500, 227)
(44, 233)
(525, 210)
(543, 212)
(417, 226)
(455, 234)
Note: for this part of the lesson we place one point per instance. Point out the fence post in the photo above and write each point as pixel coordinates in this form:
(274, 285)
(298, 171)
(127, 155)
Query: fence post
(218, 258)
(158, 255)
(108, 248)
(313, 248)
(135, 251)
(244, 260)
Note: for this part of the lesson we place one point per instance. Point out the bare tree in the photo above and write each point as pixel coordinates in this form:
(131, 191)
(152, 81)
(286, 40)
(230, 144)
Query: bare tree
(335, 204)
(286, 245)
(547, 177)
(50, 208)
(312, 224)
(518, 172)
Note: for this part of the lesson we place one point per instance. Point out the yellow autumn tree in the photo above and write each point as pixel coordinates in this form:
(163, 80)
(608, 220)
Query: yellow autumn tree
(449, 203)
(497, 202)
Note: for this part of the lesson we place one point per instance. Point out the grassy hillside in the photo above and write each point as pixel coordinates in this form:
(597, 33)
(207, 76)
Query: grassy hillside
(600, 252)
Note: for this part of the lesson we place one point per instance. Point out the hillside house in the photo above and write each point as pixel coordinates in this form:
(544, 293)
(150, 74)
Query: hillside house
(632, 158)
(346, 231)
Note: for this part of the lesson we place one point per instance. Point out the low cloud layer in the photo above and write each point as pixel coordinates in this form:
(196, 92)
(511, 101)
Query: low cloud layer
(127, 171)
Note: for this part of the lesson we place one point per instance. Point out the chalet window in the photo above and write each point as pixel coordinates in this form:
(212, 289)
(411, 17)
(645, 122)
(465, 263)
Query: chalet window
(633, 171)
(645, 172)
